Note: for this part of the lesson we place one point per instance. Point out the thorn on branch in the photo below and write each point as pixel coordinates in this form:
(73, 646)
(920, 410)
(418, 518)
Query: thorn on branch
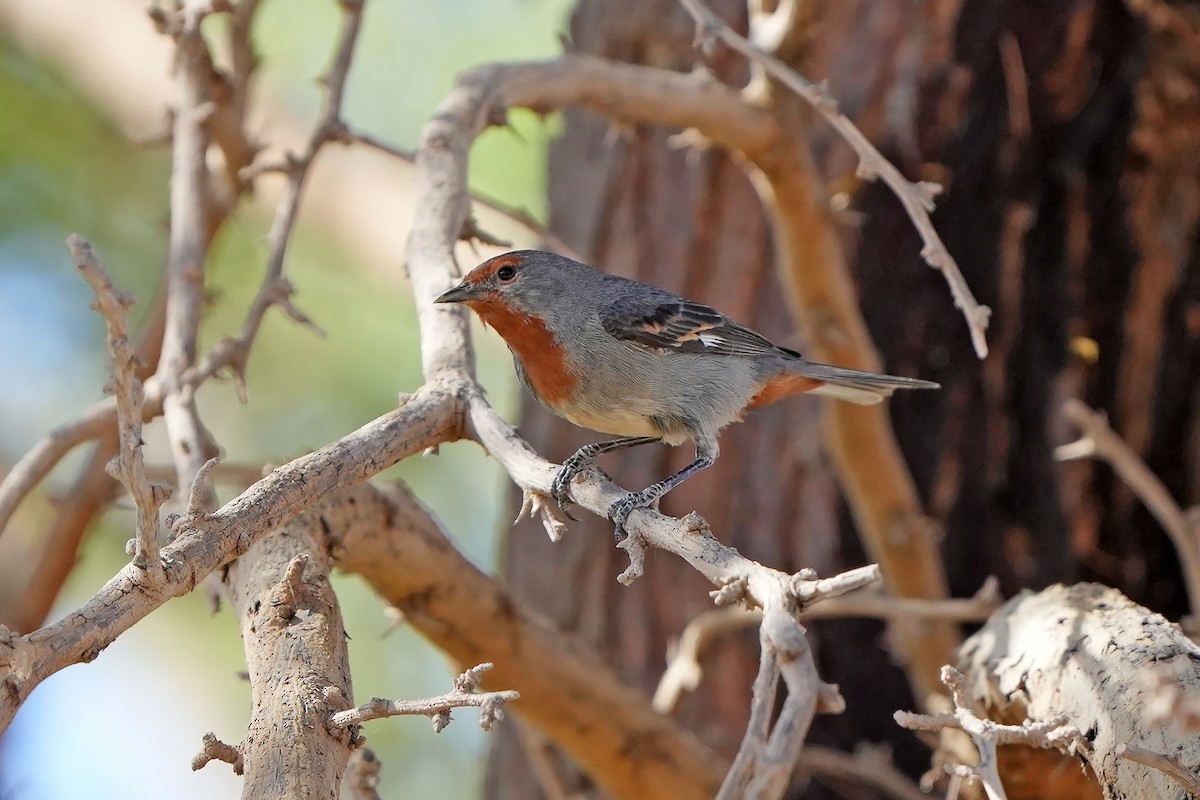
(634, 545)
(731, 591)
(914, 197)
(287, 595)
(128, 466)
(471, 232)
(535, 502)
(213, 749)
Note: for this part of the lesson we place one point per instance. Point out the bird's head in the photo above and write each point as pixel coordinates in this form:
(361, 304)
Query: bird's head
(524, 281)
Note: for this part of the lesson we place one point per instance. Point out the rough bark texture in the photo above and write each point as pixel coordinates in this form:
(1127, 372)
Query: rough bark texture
(1106, 664)
(296, 621)
(1061, 132)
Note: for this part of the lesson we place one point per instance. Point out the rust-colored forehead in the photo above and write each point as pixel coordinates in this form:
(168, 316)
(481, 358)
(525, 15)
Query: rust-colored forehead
(488, 268)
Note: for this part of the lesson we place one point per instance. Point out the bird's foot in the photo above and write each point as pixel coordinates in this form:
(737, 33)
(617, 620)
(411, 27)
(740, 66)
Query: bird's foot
(560, 487)
(619, 511)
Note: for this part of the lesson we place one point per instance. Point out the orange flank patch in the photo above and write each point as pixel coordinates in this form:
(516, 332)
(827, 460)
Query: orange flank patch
(534, 344)
(781, 386)
(488, 268)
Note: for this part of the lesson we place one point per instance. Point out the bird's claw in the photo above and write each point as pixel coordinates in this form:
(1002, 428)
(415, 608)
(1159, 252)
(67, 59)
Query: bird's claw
(619, 511)
(560, 487)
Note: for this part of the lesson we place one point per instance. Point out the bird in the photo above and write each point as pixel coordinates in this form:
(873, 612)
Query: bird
(622, 357)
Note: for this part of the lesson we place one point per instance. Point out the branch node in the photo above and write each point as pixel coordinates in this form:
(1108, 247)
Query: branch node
(213, 749)
(731, 591)
(635, 545)
(696, 525)
(287, 595)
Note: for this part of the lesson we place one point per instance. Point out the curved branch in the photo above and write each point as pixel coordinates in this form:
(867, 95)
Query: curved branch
(430, 416)
(917, 198)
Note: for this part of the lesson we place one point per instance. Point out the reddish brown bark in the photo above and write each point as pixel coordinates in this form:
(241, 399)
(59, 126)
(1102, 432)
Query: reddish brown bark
(1064, 134)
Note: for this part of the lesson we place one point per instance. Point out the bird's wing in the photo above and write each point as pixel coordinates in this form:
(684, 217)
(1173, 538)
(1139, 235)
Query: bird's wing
(659, 320)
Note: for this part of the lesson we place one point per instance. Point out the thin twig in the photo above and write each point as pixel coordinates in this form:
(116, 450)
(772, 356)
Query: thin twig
(1100, 441)
(465, 694)
(684, 670)
(191, 197)
(1166, 764)
(129, 467)
(917, 198)
(520, 216)
(987, 735)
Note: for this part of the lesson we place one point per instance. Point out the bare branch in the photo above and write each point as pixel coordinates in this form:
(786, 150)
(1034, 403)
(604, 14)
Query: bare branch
(684, 669)
(917, 198)
(1168, 765)
(391, 540)
(987, 735)
(129, 467)
(431, 415)
(465, 695)
(191, 199)
(1100, 441)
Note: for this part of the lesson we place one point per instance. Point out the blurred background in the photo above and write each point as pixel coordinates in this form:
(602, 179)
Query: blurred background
(82, 93)
(1065, 137)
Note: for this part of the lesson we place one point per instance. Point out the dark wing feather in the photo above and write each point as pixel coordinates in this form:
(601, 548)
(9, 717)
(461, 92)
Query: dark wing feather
(661, 321)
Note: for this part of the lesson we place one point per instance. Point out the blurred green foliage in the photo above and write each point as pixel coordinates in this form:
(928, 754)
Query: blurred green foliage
(64, 168)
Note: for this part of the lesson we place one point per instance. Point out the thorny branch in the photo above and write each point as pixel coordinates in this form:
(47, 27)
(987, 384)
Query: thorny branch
(466, 694)
(987, 735)
(451, 404)
(917, 198)
(684, 670)
(129, 467)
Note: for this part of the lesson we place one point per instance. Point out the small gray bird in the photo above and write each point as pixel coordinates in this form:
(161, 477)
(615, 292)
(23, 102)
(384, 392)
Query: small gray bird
(622, 357)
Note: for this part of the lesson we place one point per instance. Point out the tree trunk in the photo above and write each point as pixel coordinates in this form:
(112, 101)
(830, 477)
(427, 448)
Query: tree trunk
(1064, 134)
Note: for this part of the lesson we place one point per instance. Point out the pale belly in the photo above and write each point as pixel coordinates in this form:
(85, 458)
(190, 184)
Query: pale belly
(621, 422)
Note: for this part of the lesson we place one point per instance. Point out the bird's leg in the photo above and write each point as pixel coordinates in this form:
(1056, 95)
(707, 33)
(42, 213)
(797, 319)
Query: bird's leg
(706, 454)
(560, 487)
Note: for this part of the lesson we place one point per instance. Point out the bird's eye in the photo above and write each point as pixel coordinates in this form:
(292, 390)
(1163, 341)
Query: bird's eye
(506, 274)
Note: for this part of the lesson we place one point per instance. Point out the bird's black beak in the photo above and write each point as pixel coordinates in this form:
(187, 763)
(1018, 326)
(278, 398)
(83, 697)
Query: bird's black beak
(464, 291)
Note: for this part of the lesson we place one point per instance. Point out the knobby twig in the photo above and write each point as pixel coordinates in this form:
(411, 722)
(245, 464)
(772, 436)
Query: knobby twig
(1168, 765)
(684, 670)
(987, 735)
(429, 416)
(1100, 441)
(917, 198)
(213, 749)
(466, 694)
(129, 467)
(880, 490)
(191, 200)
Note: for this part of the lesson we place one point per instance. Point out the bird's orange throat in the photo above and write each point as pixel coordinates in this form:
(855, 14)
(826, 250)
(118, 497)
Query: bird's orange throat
(534, 344)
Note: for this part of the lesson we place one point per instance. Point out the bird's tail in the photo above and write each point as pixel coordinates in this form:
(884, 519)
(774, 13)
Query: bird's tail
(864, 388)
